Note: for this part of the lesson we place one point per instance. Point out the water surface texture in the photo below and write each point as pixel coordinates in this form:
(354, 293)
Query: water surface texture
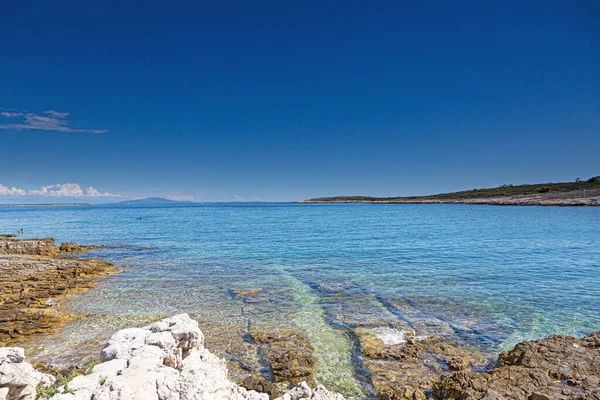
(495, 275)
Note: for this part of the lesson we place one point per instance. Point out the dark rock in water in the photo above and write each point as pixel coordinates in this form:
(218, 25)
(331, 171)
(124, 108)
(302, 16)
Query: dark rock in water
(9, 235)
(260, 384)
(289, 355)
(74, 248)
(558, 367)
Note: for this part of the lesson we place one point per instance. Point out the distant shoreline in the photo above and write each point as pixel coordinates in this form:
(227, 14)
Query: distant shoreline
(575, 202)
(568, 194)
(49, 205)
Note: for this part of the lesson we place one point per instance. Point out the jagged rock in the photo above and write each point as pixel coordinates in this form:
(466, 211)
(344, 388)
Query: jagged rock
(558, 367)
(18, 379)
(165, 360)
(491, 395)
(289, 355)
(405, 368)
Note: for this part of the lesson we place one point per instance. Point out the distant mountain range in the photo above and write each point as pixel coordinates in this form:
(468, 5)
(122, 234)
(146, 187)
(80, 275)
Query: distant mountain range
(152, 201)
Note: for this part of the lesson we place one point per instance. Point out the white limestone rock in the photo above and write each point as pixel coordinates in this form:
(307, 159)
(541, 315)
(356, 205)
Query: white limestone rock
(163, 361)
(18, 379)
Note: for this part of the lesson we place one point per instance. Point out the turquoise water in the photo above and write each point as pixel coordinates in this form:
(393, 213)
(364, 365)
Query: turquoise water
(492, 275)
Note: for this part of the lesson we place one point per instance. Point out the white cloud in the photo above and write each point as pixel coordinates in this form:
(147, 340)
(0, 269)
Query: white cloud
(11, 191)
(53, 121)
(91, 192)
(57, 114)
(58, 190)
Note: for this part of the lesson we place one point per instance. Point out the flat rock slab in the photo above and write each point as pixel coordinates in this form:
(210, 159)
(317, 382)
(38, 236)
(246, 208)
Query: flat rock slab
(32, 286)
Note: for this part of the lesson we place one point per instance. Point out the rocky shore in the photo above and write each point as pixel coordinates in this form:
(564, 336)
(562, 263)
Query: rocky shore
(34, 280)
(550, 194)
(409, 358)
(168, 360)
(522, 200)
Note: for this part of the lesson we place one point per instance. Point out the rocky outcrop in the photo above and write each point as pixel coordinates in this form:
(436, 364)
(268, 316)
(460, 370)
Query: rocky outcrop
(405, 367)
(18, 379)
(558, 367)
(32, 285)
(166, 360)
(37, 247)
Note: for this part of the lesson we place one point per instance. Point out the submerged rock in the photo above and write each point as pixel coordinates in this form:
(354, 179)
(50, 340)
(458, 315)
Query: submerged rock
(260, 384)
(241, 293)
(74, 248)
(558, 367)
(18, 379)
(289, 355)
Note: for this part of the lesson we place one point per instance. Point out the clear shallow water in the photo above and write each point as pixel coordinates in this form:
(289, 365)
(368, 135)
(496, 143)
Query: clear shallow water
(494, 275)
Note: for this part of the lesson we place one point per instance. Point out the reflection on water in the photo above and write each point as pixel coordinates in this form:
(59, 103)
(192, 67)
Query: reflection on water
(490, 276)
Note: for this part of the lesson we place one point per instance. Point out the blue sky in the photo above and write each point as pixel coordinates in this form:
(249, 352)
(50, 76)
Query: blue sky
(289, 100)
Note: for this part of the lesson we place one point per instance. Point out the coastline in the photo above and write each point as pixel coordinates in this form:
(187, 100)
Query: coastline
(567, 194)
(36, 279)
(501, 201)
(529, 200)
(168, 360)
(415, 359)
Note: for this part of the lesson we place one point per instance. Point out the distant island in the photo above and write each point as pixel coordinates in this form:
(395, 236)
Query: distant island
(578, 193)
(152, 201)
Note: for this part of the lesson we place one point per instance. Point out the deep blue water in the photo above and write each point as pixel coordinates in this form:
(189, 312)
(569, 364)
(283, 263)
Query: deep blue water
(496, 275)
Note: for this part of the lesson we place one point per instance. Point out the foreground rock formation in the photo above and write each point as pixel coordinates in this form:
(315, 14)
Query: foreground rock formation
(18, 379)
(558, 367)
(33, 281)
(163, 361)
(167, 360)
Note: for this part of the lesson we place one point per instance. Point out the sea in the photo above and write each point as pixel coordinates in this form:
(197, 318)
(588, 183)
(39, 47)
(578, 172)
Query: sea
(496, 275)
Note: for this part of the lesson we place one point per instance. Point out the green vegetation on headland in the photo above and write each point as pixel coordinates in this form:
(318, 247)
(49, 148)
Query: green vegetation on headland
(580, 192)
